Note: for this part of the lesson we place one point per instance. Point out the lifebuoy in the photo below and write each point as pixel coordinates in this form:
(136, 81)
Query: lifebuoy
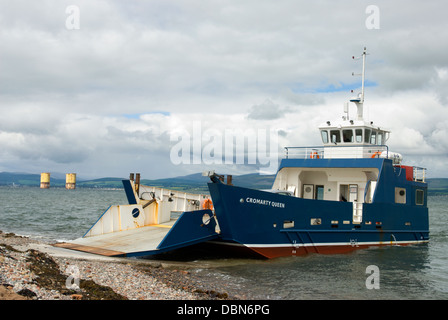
(314, 155)
(376, 154)
(208, 204)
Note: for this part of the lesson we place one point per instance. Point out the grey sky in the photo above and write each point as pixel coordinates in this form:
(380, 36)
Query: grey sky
(102, 100)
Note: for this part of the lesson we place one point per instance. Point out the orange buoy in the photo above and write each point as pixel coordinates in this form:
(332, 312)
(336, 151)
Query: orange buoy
(314, 155)
(207, 204)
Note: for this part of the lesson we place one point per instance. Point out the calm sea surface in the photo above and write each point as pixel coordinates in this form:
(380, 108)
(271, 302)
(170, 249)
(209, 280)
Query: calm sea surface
(412, 272)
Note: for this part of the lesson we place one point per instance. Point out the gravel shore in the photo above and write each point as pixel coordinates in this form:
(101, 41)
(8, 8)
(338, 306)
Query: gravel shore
(28, 272)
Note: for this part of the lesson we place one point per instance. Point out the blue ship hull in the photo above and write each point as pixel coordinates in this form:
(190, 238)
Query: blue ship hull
(274, 225)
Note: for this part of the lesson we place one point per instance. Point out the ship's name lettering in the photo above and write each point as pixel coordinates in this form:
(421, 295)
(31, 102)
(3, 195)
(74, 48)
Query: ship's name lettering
(266, 202)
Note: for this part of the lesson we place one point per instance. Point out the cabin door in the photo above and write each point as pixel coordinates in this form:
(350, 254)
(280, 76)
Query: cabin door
(343, 192)
(353, 193)
(320, 192)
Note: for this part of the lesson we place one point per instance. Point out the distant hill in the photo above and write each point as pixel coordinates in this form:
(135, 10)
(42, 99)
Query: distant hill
(27, 179)
(33, 180)
(197, 182)
(190, 183)
(437, 186)
(254, 180)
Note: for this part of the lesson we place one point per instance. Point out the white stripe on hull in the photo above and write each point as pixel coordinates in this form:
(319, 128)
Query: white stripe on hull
(289, 245)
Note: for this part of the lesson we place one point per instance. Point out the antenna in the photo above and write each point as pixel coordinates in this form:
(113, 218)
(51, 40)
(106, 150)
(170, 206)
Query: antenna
(360, 99)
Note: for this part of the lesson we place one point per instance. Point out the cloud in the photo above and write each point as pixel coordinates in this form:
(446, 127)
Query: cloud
(104, 99)
(266, 111)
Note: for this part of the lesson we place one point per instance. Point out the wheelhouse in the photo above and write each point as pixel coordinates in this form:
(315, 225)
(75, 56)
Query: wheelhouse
(353, 133)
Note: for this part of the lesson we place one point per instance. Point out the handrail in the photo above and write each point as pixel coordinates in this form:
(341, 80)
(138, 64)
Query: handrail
(341, 151)
(419, 174)
(366, 151)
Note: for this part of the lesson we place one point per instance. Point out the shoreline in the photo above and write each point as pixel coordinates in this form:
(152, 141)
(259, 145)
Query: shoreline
(34, 270)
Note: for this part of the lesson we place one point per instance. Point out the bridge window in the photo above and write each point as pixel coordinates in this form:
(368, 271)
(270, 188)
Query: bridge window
(367, 136)
(347, 135)
(358, 135)
(373, 137)
(380, 138)
(324, 134)
(335, 136)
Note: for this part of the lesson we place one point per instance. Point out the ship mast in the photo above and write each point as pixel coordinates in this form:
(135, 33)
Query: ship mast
(363, 73)
(359, 100)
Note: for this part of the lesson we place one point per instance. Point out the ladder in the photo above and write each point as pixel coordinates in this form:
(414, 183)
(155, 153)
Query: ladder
(357, 212)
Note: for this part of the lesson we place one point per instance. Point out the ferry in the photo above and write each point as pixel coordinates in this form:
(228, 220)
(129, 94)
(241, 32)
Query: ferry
(349, 193)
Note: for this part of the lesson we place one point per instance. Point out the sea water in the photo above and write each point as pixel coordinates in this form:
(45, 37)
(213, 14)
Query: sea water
(403, 272)
(54, 214)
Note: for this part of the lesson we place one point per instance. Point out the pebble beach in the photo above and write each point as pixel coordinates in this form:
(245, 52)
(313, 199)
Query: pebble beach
(32, 270)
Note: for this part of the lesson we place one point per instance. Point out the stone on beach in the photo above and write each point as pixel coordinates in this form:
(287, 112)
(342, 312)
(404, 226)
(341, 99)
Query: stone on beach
(27, 273)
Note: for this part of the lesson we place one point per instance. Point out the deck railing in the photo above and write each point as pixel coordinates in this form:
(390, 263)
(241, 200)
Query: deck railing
(345, 151)
(358, 151)
(419, 174)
